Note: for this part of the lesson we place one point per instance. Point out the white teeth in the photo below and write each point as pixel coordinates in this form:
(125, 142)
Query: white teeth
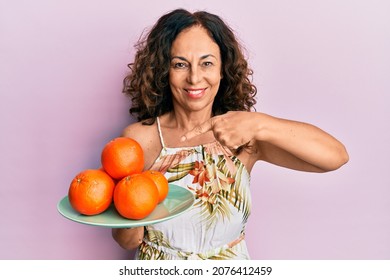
(194, 92)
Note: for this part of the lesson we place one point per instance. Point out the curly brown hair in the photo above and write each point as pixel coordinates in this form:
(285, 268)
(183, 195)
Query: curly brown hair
(147, 84)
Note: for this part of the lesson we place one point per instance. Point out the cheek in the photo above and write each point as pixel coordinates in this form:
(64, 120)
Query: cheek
(215, 80)
(217, 75)
(170, 78)
(174, 79)
(174, 84)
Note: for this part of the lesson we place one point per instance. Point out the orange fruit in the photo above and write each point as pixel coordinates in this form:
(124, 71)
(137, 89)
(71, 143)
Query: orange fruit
(121, 157)
(91, 192)
(161, 183)
(135, 196)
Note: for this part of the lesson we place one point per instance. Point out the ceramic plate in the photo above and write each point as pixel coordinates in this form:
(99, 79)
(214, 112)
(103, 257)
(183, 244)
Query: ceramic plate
(177, 201)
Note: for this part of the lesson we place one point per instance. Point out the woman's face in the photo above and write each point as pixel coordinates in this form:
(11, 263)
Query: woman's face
(195, 70)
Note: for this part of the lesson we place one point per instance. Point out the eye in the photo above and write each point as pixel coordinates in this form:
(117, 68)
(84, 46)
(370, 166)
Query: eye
(180, 65)
(207, 63)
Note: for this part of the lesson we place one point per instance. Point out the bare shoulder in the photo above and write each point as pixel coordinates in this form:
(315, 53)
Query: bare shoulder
(147, 136)
(137, 130)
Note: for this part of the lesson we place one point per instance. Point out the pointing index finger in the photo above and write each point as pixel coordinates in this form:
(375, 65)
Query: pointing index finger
(197, 130)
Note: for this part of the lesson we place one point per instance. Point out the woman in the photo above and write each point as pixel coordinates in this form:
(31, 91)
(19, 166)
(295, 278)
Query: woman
(191, 91)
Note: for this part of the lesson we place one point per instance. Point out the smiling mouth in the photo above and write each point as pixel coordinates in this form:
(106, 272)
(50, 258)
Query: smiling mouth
(196, 93)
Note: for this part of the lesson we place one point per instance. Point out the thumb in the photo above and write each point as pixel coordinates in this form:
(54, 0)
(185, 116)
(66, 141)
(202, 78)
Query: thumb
(197, 130)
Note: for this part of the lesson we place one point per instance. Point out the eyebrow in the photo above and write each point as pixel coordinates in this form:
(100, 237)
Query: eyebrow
(202, 57)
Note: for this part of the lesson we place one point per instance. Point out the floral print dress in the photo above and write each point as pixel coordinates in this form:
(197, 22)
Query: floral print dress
(214, 228)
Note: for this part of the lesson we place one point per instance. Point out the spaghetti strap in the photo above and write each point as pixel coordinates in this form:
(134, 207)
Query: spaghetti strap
(160, 133)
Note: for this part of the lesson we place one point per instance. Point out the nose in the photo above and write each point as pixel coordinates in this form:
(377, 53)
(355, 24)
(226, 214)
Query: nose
(194, 75)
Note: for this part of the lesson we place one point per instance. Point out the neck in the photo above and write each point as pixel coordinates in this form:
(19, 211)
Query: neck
(184, 120)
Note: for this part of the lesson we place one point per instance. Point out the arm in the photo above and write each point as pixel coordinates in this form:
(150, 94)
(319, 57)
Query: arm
(298, 145)
(129, 238)
(287, 143)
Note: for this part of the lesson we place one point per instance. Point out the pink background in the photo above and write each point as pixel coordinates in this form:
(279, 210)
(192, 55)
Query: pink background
(323, 62)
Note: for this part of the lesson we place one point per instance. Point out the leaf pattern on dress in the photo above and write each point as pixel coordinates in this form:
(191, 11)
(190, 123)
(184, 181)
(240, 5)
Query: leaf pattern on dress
(214, 175)
(218, 187)
(170, 161)
(227, 254)
(147, 252)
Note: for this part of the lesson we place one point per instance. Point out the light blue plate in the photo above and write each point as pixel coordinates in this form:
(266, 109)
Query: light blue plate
(177, 202)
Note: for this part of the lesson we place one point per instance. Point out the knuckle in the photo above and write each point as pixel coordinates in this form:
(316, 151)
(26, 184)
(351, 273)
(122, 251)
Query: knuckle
(218, 135)
(224, 139)
(198, 130)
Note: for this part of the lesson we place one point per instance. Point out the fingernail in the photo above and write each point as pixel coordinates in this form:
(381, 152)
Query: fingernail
(183, 138)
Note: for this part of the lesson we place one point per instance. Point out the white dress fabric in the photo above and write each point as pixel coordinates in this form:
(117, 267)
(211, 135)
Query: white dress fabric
(214, 227)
